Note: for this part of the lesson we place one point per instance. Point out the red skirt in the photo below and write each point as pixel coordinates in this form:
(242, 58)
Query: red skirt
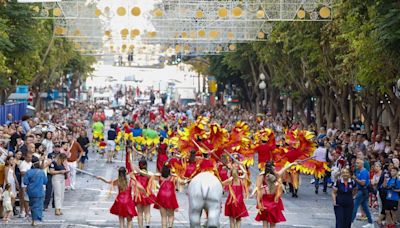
(140, 197)
(123, 205)
(166, 197)
(236, 209)
(161, 159)
(272, 212)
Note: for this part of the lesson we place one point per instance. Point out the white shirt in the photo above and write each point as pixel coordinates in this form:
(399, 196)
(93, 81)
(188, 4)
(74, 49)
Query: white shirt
(331, 131)
(379, 146)
(24, 167)
(320, 154)
(49, 145)
(366, 143)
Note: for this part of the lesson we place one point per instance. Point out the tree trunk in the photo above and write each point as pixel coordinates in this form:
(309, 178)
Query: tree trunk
(318, 112)
(344, 107)
(3, 96)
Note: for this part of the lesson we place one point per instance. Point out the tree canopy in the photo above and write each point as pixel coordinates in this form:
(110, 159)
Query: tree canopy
(30, 54)
(351, 61)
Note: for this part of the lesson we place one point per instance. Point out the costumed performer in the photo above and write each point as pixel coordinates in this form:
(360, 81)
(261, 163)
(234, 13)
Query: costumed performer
(162, 156)
(235, 207)
(166, 200)
(269, 191)
(142, 200)
(190, 165)
(124, 206)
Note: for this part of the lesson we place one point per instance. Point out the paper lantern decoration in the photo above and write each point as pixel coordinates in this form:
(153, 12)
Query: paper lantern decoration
(57, 12)
(260, 35)
(77, 32)
(151, 34)
(158, 13)
(301, 14)
(77, 46)
(325, 12)
(222, 12)
(232, 47)
(237, 11)
(124, 32)
(230, 36)
(213, 34)
(131, 47)
(192, 34)
(186, 47)
(202, 33)
(97, 12)
(260, 14)
(121, 11)
(199, 14)
(123, 47)
(177, 48)
(60, 31)
(135, 11)
(36, 9)
(184, 35)
(107, 33)
(135, 32)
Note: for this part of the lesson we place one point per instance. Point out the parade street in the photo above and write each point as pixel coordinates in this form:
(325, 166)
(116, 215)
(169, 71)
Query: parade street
(89, 204)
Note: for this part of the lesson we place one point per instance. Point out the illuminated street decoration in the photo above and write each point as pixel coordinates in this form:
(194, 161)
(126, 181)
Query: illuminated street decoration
(189, 26)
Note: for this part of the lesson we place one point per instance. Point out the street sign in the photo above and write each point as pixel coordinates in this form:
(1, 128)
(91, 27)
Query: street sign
(358, 88)
(22, 89)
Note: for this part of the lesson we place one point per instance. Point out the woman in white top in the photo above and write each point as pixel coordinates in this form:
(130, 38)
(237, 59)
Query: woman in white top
(10, 177)
(48, 142)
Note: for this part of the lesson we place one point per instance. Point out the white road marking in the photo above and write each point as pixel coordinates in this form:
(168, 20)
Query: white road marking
(99, 208)
(96, 220)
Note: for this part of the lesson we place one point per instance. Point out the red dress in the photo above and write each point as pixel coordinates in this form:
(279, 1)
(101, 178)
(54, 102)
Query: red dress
(140, 197)
(272, 212)
(123, 205)
(236, 208)
(190, 169)
(166, 197)
(162, 156)
(206, 165)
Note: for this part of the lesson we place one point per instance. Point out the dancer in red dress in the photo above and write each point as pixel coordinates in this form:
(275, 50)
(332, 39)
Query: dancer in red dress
(162, 156)
(166, 200)
(144, 200)
(235, 208)
(269, 191)
(190, 165)
(124, 206)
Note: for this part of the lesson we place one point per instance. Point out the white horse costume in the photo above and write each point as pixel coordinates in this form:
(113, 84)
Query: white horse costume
(205, 192)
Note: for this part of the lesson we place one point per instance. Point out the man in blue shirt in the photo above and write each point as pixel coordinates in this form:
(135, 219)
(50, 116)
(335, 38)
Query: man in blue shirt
(362, 181)
(392, 185)
(35, 180)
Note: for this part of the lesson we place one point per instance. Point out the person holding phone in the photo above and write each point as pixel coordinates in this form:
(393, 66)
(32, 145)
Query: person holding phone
(58, 172)
(392, 185)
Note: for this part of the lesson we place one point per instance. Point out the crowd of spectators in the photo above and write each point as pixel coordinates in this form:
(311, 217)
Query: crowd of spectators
(38, 160)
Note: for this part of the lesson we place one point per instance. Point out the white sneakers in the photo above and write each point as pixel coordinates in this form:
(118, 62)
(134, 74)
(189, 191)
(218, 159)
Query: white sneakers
(369, 225)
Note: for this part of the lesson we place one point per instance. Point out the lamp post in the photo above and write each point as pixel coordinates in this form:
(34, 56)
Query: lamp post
(263, 86)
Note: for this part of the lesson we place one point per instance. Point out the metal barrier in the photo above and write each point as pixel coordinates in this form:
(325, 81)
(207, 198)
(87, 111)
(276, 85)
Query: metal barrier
(16, 109)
